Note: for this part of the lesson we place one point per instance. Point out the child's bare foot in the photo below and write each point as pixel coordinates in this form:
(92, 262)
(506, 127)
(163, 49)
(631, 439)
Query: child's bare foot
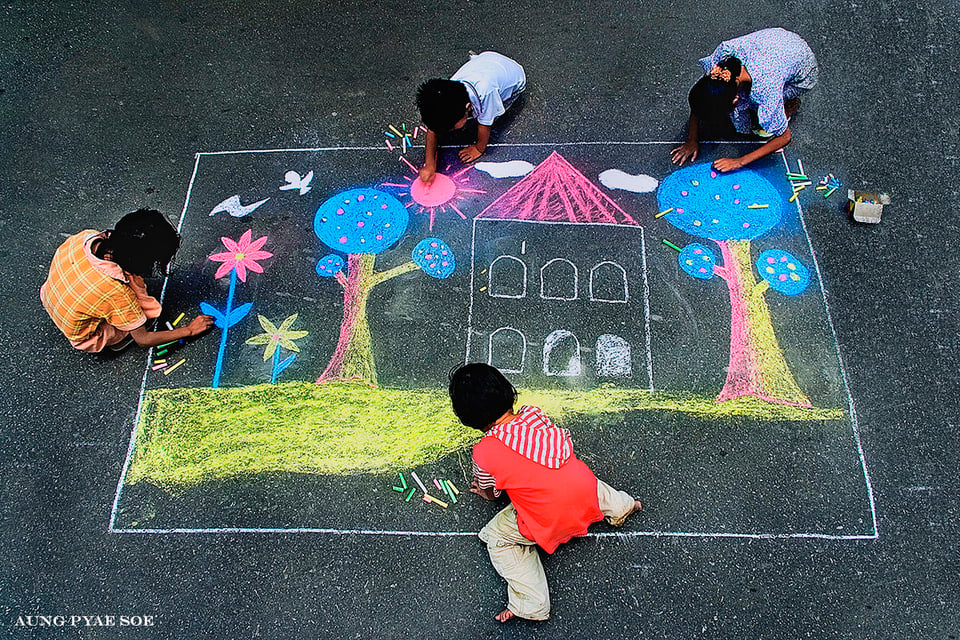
(619, 521)
(505, 615)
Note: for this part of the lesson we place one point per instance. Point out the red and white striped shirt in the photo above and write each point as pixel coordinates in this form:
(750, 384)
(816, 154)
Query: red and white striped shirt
(534, 436)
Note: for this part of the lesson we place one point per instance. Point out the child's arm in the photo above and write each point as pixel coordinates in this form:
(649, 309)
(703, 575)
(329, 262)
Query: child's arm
(486, 494)
(774, 144)
(689, 149)
(430, 158)
(474, 151)
(146, 338)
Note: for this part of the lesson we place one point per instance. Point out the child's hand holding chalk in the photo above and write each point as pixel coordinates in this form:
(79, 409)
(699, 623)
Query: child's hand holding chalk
(198, 325)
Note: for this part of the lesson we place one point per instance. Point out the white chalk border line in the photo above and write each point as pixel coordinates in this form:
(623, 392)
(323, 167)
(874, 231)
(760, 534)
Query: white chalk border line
(111, 528)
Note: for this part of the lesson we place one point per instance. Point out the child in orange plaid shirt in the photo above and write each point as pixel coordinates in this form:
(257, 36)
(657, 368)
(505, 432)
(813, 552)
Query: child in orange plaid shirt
(95, 292)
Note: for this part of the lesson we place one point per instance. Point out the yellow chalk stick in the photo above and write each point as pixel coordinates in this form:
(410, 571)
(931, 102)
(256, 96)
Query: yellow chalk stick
(160, 361)
(793, 197)
(757, 206)
(166, 372)
(454, 487)
(438, 502)
(179, 318)
(395, 130)
(663, 213)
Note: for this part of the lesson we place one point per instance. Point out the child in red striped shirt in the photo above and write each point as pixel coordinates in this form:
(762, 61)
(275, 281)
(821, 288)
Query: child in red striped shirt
(554, 496)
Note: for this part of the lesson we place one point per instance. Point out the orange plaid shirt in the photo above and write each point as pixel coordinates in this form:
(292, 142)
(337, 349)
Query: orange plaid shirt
(83, 291)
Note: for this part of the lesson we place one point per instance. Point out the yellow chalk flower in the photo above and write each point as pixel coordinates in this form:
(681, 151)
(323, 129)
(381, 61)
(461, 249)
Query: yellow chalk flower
(274, 336)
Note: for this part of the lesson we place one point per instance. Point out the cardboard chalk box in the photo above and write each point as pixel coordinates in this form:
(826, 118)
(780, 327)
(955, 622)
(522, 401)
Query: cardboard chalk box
(867, 206)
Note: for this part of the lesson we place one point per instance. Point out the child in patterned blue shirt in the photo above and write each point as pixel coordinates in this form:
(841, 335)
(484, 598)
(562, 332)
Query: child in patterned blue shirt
(755, 81)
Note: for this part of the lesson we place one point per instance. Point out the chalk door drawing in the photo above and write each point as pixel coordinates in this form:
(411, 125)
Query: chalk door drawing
(329, 371)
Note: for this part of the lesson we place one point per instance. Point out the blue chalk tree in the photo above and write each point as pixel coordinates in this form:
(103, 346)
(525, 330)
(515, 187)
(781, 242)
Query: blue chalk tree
(733, 209)
(362, 223)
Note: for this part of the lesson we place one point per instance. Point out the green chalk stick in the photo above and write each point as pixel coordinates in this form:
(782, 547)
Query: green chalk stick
(410, 495)
(453, 496)
(402, 481)
(400, 489)
(166, 344)
(671, 245)
(161, 352)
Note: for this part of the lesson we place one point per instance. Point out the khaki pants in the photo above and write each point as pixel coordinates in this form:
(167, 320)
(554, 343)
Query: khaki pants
(517, 561)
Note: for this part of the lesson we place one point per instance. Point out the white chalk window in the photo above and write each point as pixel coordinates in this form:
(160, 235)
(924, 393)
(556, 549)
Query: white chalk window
(507, 350)
(559, 280)
(608, 283)
(613, 357)
(507, 278)
(561, 354)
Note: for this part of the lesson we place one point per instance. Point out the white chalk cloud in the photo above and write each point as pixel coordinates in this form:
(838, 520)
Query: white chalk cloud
(617, 179)
(510, 169)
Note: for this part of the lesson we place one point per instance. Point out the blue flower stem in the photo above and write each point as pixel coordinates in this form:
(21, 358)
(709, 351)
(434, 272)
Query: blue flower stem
(226, 326)
(276, 363)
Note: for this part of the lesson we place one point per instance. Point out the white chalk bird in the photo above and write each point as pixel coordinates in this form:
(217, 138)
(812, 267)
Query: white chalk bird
(294, 181)
(232, 206)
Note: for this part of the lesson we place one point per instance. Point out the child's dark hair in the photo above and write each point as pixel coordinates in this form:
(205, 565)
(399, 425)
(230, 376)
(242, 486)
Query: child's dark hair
(480, 394)
(142, 243)
(711, 98)
(442, 103)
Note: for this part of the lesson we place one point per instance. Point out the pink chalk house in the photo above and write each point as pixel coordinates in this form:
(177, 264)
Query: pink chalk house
(558, 283)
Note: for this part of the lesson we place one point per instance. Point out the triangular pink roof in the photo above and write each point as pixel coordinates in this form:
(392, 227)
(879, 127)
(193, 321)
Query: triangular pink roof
(555, 191)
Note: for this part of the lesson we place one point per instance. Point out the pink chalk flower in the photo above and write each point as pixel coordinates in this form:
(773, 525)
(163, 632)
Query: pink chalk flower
(241, 255)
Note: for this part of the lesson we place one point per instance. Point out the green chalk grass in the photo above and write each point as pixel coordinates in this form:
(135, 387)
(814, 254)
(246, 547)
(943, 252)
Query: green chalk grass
(188, 436)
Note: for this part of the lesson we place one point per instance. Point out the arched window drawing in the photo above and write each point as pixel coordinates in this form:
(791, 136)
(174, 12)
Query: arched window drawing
(507, 350)
(561, 354)
(608, 283)
(507, 278)
(613, 357)
(559, 280)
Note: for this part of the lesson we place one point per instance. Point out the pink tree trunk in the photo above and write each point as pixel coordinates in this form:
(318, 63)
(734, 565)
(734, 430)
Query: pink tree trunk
(757, 366)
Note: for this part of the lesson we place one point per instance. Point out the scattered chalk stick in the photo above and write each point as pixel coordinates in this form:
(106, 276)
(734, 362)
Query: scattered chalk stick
(395, 130)
(437, 484)
(416, 478)
(169, 326)
(793, 197)
(454, 487)
(757, 206)
(663, 213)
(800, 164)
(387, 133)
(402, 481)
(671, 245)
(162, 352)
(167, 371)
(399, 489)
(450, 492)
(179, 318)
(166, 344)
(410, 495)
(436, 501)
(389, 146)
(161, 361)
(159, 366)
